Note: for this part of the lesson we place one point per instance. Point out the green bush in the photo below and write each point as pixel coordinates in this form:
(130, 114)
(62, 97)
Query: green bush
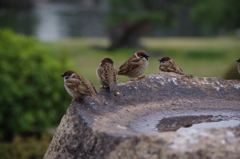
(31, 147)
(32, 96)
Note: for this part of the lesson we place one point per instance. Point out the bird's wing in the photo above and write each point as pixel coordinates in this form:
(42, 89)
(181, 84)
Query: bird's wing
(102, 74)
(80, 84)
(166, 67)
(174, 66)
(129, 65)
(108, 74)
(115, 75)
(178, 69)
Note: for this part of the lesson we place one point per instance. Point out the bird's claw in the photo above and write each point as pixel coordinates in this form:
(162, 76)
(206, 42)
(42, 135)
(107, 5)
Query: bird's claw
(189, 76)
(138, 78)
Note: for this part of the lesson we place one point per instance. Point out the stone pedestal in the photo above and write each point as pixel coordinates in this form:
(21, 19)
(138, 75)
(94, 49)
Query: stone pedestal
(133, 125)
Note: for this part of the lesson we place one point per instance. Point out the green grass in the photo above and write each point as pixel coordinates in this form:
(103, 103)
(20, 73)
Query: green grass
(203, 57)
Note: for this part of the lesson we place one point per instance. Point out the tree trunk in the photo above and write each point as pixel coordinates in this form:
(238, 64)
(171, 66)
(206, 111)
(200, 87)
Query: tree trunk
(127, 35)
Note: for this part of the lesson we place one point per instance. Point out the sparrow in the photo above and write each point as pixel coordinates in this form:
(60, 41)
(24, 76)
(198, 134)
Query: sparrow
(107, 74)
(238, 65)
(79, 87)
(168, 65)
(135, 65)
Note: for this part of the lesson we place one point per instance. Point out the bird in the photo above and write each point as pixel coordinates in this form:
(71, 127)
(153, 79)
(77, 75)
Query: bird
(168, 65)
(238, 65)
(107, 74)
(135, 65)
(79, 87)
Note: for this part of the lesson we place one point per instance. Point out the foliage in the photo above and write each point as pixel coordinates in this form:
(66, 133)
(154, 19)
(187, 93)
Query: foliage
(216, 15)
(23, 4)
(129, 20)
(31, 147)
(135, 11)
(211, 16)
(32, 94)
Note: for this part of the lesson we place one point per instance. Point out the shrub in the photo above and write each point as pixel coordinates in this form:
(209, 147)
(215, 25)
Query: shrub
(32, 94)
(31, 147)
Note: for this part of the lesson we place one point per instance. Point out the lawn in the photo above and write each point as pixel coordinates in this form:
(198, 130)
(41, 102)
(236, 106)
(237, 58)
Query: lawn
(203, 57)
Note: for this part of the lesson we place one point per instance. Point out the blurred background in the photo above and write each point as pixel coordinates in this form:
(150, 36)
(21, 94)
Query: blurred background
(40, 39)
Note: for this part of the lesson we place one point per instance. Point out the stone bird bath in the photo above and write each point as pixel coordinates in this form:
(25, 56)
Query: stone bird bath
(142, 122)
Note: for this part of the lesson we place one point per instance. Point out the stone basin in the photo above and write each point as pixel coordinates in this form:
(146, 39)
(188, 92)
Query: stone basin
(142, 121)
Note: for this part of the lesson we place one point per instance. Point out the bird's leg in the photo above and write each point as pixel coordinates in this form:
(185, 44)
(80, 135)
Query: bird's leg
(72, 100)
(188, 76)
(141, 77)
(78, 99)
(132, 79)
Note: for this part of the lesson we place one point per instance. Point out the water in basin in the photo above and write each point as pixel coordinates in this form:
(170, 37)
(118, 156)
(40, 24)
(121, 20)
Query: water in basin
(208, 125)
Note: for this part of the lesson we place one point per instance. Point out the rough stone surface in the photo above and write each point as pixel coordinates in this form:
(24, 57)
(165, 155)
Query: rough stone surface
(128, 125)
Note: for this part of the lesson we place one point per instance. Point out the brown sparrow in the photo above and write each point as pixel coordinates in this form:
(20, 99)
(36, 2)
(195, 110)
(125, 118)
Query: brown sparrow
(168, 65)
(238, 65)
(79, 87)
(135, 65)
(107, 74)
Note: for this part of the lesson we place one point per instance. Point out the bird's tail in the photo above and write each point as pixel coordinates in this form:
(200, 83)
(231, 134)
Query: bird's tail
(113, 87)
(186, 74)
(98, 99)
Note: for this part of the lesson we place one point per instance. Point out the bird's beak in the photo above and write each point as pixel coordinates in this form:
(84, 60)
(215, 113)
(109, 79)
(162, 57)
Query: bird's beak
(146, 56)
(62, 75)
